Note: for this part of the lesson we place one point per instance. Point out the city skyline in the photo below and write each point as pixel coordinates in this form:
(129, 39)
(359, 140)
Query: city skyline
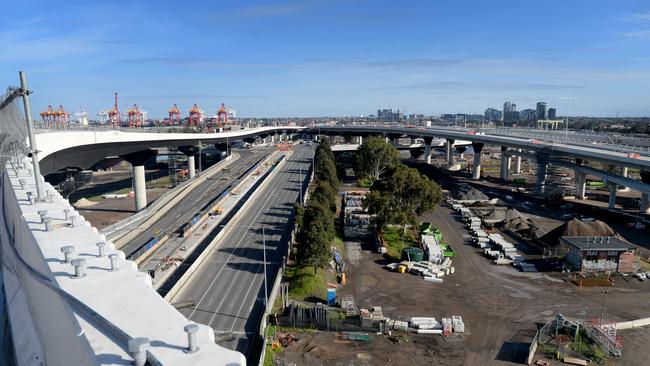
(332, 58)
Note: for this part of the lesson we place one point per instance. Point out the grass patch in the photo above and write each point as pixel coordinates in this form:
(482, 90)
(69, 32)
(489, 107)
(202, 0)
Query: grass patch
(396, 240)
(364, 182)
(304, 285)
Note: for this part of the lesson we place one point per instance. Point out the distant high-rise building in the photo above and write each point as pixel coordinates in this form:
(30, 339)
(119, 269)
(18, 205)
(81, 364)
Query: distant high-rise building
(552, 113)
(528, 115)
(542, 111)
(510, 112)
(492, 114)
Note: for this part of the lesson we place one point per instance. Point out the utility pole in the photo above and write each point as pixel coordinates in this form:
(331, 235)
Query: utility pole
(266, 289)
(32, 141)
(602, 309)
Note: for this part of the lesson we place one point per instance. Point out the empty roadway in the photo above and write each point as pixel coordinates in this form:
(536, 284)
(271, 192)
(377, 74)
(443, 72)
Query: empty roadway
(228, 288)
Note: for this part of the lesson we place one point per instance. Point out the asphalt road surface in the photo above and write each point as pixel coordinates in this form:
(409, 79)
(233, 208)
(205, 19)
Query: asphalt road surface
(228, 288)
(195, 199)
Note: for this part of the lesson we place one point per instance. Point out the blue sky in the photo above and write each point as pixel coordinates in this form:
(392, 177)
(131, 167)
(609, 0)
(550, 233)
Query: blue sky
(332, 57)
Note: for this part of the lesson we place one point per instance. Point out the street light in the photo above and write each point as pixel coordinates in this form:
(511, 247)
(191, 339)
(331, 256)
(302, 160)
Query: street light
(266, 289)
(602, 309)
(566, 124)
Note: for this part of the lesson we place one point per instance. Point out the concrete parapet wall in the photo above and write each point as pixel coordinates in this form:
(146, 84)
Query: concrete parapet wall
(63, 320)
(187, 276)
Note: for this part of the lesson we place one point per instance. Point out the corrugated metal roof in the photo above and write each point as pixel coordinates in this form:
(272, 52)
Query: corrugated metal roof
(597, 243)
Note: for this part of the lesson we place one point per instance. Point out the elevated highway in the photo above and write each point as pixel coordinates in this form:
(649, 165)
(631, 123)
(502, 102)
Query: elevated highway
(544, 152)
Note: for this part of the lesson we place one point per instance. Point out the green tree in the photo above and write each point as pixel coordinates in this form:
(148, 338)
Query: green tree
(325, 167)
(314, 249)
(299, 214)
(374, 158)
(402, 196)
(326, 195)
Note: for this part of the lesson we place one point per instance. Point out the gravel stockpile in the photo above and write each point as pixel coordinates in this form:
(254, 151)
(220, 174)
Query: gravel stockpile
(577, 227)
(464, 192)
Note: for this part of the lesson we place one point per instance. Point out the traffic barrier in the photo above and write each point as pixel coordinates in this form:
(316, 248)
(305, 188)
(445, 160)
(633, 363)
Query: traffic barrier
(187, 275)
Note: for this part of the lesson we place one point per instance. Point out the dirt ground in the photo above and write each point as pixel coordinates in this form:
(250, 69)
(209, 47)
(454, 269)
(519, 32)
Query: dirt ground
(497, 304)
(111, 210)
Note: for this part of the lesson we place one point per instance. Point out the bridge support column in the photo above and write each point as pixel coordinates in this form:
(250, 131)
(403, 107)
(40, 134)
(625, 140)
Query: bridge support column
(359, 140)
(427, 149)
(542, 166)
(461, 152)
(449, 150)
(140, 187)
(518, 164)
(644, 207)
(645, 204)
(581, 182)
(476, 169)
(504, 171)
(624, 174)
(612, 195)
(137, 161)
(191, 166)
(190, 152)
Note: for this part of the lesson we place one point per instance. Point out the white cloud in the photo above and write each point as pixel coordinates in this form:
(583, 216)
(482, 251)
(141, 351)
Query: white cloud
(641, 17)
(641, 34)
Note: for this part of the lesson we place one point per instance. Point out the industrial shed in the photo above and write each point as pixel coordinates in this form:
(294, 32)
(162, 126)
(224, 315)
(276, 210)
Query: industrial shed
(599, 254)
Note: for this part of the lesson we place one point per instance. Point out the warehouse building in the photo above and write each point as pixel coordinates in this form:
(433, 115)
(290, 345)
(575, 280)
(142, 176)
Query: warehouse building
(599, 254)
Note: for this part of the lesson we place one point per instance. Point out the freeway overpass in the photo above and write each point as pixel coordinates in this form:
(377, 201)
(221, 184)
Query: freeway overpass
(83, 149)
(544, 152)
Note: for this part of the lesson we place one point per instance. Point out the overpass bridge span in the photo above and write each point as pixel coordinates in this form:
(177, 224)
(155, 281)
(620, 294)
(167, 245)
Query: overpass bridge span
(544, 152)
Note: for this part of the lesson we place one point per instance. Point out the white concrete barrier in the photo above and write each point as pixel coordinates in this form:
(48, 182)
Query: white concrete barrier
(187, 276)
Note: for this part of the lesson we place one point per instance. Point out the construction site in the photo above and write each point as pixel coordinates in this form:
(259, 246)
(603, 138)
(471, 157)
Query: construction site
(489, 279)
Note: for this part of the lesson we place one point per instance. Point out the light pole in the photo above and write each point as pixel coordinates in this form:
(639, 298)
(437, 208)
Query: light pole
(602, 309)
(566, 124)
(266, 290)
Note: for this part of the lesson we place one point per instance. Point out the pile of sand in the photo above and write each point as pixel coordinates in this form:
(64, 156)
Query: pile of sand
(577, 227)
(84, 203)
(464, 192)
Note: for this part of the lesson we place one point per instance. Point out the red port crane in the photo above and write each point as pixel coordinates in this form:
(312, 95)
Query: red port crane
(195, 116)
(174, 116)
(48, 116)
(114, 117)
(222, 116)
(61, 117)
(136, 117)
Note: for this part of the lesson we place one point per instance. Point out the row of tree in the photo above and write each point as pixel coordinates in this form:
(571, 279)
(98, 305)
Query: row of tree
(315, 222)
(399, 193)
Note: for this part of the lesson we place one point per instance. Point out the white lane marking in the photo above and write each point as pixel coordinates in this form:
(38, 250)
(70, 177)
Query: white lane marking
(227, 260)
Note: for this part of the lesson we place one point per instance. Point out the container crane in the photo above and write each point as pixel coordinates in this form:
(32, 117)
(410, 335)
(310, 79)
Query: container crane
(48, 116)
(135, 116)
(174, 116)
(196, 115)
(114, 117)
(62, 117)
(222, 116)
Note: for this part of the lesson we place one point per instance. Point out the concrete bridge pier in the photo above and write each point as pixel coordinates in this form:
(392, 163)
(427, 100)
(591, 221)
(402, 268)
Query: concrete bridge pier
(504, 171)
(644, 207)
(137, 161)
(613, 188)
(624, 174)
(476, 169)
(427, 149)
(449, 150)
(359, 140)
(461, 152)
(517, 164)
(581, 182)
(190, 152)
